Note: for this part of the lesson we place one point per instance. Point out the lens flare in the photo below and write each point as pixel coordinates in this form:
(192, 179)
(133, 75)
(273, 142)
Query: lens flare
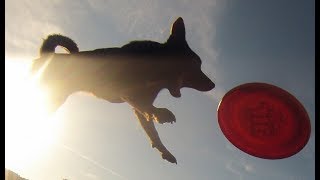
(29, 132)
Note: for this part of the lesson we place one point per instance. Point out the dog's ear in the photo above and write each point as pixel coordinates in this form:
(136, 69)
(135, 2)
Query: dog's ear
(178, 32)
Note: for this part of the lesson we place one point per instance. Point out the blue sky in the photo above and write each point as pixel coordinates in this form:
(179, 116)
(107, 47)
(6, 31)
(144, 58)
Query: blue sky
(238, 42)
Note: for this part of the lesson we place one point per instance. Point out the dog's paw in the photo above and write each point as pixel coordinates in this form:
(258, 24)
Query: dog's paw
(163, 115)
(169, 157)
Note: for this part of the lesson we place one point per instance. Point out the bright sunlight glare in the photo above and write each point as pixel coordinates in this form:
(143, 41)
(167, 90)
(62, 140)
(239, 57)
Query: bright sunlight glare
(29, 132)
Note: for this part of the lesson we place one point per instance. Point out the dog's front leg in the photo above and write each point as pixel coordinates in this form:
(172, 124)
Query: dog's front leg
(151, 131)
(143, 104)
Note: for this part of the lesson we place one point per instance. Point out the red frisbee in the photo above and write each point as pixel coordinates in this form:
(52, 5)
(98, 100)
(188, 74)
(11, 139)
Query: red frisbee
(264, 121)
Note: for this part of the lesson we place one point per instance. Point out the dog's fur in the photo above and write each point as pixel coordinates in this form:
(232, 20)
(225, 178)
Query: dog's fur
(133, 73)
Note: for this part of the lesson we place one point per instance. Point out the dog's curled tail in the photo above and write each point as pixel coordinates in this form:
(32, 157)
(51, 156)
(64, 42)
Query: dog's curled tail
(54, 40)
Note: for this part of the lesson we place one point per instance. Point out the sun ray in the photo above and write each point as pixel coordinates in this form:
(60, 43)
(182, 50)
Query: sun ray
(29, 132)
(42, 68)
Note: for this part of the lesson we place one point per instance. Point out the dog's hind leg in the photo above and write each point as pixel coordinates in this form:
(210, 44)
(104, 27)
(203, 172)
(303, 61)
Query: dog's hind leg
(153, 135)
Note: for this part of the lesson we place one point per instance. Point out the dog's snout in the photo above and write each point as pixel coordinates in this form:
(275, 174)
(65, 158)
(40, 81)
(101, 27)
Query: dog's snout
(211, 85)
(205, 84)
(199, 81)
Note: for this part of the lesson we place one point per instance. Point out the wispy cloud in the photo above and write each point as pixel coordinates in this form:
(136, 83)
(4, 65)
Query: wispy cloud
(234, 168)
(93, 162)
(249, 168)
(241, 166)
(26, 22)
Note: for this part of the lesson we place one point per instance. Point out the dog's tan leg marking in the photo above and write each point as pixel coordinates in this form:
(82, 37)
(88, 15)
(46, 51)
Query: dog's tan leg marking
(143, 104)
(163, 115)
(152, 133)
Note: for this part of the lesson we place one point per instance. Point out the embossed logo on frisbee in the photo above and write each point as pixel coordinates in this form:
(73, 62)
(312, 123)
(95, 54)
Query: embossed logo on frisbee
(264, 121)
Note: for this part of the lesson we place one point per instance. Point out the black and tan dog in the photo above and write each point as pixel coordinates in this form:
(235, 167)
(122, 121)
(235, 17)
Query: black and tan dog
(133, 73)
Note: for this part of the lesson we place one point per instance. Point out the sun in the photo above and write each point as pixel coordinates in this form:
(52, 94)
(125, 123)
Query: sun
(29, 132)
